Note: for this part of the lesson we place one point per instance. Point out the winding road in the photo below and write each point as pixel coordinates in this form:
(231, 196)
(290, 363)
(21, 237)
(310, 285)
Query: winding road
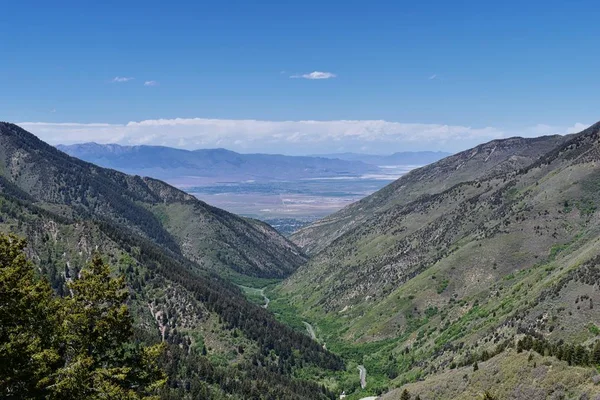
(362, 371)
(267, 301)
(251, 290)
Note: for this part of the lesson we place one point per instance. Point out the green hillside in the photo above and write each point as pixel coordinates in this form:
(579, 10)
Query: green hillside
(476, 274)
(219, 345)
(211, 237)
(495, 158)
(440, 268)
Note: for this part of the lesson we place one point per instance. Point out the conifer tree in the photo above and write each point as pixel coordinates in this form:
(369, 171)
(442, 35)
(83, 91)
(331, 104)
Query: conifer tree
(77, 347)
(29, 341)
(100, 361)
(488, 396)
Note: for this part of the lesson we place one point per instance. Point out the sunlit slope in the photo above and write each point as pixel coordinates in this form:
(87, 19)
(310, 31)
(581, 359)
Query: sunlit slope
(495, 158)
(443, 278)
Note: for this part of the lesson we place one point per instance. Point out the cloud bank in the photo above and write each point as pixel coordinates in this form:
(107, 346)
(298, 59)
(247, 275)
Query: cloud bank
(289, 137)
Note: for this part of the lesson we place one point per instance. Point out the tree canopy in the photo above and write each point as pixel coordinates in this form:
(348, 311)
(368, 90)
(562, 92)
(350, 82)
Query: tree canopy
(78, 346)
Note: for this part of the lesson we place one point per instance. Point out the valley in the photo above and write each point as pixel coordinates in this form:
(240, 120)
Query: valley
(288, 192)
(482, 263)
(210, 200)
(291, 205)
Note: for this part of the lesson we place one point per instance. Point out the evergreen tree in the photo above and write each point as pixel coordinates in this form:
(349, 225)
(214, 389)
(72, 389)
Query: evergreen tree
(100, 361)
(73, 348)
(596, 354)
(28, 325)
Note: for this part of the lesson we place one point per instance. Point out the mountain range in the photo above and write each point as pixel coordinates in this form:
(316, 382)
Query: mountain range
(213, 165)
(221, 165)
(476, 276)
(461, 260)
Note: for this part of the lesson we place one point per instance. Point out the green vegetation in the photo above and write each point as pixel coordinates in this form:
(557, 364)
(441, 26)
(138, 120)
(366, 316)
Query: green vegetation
(173, 252)
(74, 347)
(456, 270)
(442, 285)
(250, 281)
(449, 265)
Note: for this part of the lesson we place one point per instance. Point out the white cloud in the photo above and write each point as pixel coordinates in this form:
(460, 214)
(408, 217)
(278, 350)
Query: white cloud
(578, 127)
(315, 75)
(290, 137)
(433, 76)
(121, 79)
(150, 83)
(545, 129)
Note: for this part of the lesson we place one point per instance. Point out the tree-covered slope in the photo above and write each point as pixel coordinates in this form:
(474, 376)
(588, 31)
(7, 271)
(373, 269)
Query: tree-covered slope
(465, 269)
(219, 345)
(169, 217)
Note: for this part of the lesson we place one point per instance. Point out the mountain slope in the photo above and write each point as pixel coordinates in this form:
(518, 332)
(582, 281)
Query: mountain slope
(487, 160)
(219, 345)
(458, 265)
(212, 164)
(211, 237)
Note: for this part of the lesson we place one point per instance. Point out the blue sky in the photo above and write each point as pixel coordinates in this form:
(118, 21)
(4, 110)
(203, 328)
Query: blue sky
(408, 75)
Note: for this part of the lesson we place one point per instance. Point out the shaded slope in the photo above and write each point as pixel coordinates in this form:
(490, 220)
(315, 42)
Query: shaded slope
(219, 345)
(201, 317)
(171, 218)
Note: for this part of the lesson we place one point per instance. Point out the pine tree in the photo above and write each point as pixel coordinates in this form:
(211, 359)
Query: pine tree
(73, 348)
(97, 327)
(28, 325)
(596, 354)
(568, 354)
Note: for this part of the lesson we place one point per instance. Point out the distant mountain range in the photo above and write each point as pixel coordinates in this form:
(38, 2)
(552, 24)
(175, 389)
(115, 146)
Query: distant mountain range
(212, 164)
(400, 158)
(219, 165)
